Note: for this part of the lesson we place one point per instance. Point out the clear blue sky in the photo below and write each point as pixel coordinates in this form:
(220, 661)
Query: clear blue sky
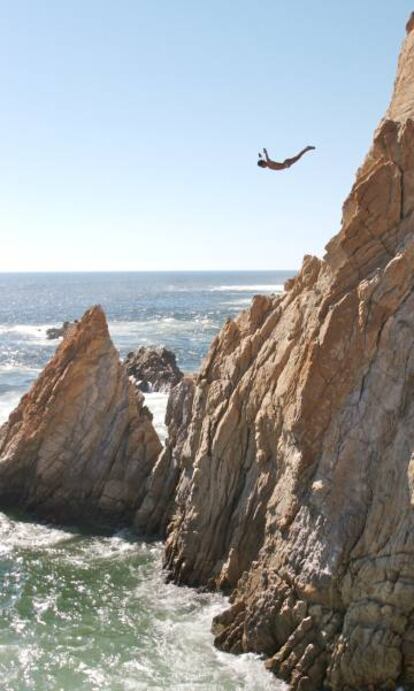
(130, 128)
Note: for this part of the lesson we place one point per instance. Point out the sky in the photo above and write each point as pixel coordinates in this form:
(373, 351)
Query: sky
(130, 128)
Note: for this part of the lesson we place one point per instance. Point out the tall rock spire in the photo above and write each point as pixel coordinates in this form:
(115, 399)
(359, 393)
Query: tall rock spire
(402, 103)
(80, 445)
(297, 481)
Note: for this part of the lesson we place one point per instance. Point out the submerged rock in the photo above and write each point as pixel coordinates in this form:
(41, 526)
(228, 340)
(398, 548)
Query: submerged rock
(153, 368)
(296, 487)
(81, 444)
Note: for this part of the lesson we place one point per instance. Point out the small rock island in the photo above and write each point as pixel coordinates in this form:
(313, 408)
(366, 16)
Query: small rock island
(153, 369)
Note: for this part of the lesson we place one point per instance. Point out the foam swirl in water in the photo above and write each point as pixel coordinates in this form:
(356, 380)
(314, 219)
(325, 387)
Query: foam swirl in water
(93, 612)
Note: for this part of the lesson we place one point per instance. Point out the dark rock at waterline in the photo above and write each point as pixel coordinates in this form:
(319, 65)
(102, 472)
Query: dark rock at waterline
(59, 331)
(153, 368)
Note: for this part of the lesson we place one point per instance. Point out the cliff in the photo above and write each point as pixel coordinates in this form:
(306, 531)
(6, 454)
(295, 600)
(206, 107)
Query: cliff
(288, 476)
(81, 444)
(296, 489)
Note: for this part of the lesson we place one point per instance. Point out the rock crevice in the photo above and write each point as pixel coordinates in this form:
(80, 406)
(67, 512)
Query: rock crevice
(81, 444)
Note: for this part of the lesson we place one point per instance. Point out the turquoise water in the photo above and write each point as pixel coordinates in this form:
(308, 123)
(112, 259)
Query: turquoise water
(93, 612)
(86, 612)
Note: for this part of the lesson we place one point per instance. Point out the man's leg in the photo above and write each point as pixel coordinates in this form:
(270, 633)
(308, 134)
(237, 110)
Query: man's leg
(290, 161)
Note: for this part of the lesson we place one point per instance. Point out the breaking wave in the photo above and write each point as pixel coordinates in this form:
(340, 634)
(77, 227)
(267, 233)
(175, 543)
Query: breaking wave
(266, 288)
(94, 612)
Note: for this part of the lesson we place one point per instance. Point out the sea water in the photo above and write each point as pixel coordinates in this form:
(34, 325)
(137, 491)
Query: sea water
(81, 611)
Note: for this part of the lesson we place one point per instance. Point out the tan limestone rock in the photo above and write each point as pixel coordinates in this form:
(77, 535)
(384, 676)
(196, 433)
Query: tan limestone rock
(297, 493)
(81, 444)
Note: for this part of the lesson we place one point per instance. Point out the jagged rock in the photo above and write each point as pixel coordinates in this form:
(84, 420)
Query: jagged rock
(157, 507)
(153, 368)
(297, 488)
(59, 331)
(81, 444)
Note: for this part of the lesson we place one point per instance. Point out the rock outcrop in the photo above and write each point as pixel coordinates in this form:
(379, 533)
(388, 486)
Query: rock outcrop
(80, 445)
(153, 369)
(296, 490)
(59, 331)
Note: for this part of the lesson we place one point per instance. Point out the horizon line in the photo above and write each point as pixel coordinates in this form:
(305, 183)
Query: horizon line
(131, 271)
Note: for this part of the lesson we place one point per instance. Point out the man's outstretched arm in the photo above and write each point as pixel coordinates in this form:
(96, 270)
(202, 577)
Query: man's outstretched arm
(266, 155)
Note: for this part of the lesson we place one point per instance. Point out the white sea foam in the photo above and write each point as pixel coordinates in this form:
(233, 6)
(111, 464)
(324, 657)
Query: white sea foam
(159, 325)
(183, 624)
(29, 334)
(37, 331)
(103, 605)
(14, 366)
(240, 302)
(157, 403)
(8, 402)
(25, 535)
(264, 288)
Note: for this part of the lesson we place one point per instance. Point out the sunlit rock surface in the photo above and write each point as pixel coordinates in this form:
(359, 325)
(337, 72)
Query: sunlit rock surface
(296, 489)
(81, 444)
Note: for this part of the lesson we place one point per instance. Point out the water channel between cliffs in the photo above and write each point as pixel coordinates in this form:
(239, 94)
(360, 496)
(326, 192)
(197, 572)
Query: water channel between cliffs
(83, 612)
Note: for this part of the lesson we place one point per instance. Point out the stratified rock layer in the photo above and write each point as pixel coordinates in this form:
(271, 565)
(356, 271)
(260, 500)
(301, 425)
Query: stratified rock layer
(80, 445)
(298, 489)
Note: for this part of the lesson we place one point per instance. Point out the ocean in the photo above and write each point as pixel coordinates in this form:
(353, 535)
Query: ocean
(86, 612)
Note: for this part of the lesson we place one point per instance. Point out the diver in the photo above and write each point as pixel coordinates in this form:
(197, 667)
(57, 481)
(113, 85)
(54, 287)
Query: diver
(266, 162)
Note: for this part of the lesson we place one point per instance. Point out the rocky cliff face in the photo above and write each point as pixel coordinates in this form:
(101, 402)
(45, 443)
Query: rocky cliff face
(81, 444)
(297, 484)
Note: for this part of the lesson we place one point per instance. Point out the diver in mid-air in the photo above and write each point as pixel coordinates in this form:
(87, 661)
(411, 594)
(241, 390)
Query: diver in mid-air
(267, 162)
